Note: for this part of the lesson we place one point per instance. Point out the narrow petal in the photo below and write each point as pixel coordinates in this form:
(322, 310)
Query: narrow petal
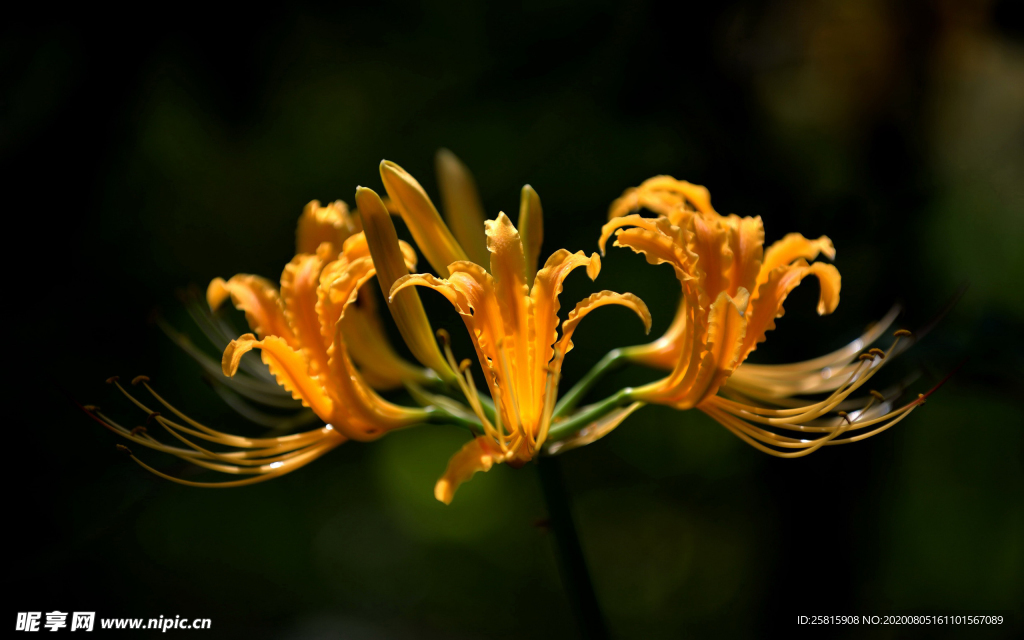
(428, 229)
(600, 299)
(659, 242)
(664, 352)
(791, 248)
(710, 241)
(317, 225)
(635, 220)
(290, 367)
(255, 296)
(664, 243)
(299, 283)
(479, 454)
(445, 287)
(547, 287)
(372, 352)
(663, 195)
(531, 229)
(405, 307)
(360, 413)
(508, 267)
(726, 329)
(364, 334)
(462, 206)
(770, 296)
(694, 380)
(746, 240)
(470, 289)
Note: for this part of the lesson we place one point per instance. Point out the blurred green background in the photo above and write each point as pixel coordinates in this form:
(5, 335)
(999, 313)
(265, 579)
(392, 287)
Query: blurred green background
(141, 160)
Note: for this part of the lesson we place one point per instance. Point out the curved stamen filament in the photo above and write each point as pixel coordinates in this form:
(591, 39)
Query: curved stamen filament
(797, 415)
(839, 357)
(262, 458)
(743, 424)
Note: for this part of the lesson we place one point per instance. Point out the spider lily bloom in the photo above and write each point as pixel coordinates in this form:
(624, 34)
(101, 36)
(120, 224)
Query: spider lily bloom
(311, 334)
(322, 233)
(307, 351)
(732, 292)
(510, 311)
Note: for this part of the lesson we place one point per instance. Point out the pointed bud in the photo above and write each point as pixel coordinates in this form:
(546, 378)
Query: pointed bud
(531, 229)
(462, 207)
(406, 308)
(424, 222)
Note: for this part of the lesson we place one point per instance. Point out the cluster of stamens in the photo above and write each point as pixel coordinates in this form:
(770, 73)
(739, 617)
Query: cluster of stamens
(260, 459)
(742, 407)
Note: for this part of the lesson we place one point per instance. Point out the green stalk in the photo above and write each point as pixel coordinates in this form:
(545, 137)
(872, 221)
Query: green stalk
(609, 362)
(579, 590)
(437, 415)
(588, 414)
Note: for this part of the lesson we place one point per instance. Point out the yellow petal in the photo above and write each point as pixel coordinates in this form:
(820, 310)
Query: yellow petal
(233, 353)
(793, 247)
(258, 298)
(479, 454)
(600, 299)
(545, 292)
(445, 287)
(462, 206)
(635, 220)
(531, 229)
(360, 413)
(405, 307)
(768, 305)
(663, 195)
(829, 280)
(471, 290)
(746, 240)
(289, 366)
(508, 267)
(372, 352)
(364, 334)
(299, 283)
(664, 352)
(710, 241)
(317, 225)
(430, 232)
(659, 241)
(726, 329)
(695, 379)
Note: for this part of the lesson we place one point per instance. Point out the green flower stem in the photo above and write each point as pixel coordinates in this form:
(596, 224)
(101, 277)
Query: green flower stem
(610, 361)
(437, 415)
(567, 428)
(579, 590)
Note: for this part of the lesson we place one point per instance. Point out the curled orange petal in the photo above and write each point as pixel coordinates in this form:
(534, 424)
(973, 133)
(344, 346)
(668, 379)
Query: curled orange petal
(479, 454)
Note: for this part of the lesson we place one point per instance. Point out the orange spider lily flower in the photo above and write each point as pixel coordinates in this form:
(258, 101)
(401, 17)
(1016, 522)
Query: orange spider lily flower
(732, 292)
(327, 351)
(510, 310)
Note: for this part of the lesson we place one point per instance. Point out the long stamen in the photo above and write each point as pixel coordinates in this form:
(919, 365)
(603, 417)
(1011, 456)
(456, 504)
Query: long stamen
(856, 380)
(466, 383)
(743, 425)
(261, 457)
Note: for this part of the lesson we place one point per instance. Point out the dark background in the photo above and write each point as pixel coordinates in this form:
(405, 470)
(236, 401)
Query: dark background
(147, 153)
